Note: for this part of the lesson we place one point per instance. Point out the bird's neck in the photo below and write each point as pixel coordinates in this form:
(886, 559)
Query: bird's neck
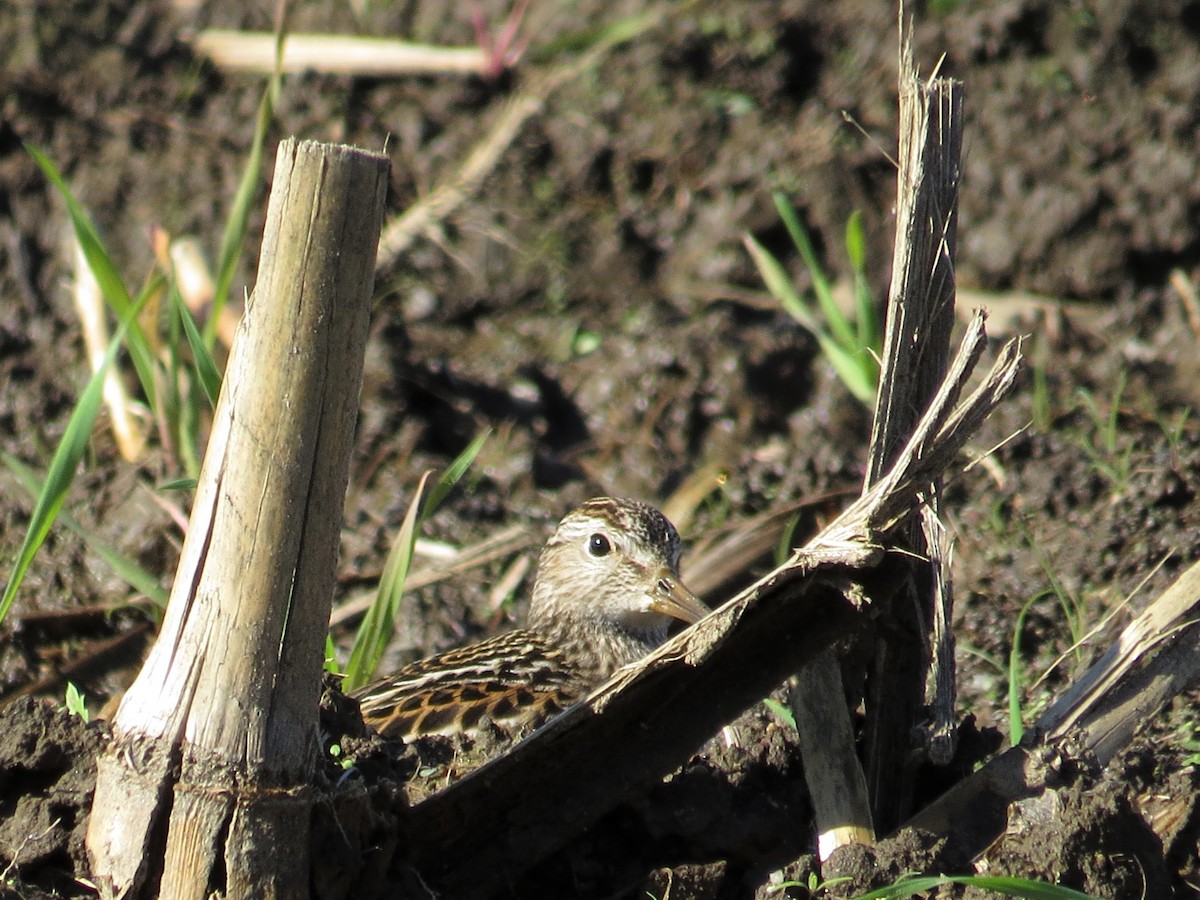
(604, 648)
(599, 645)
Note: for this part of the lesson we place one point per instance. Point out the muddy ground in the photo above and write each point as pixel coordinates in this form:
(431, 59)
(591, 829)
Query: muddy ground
(594, 306)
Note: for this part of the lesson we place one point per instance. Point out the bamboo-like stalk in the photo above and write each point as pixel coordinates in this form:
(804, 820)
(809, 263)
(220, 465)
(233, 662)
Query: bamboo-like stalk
(208, 779)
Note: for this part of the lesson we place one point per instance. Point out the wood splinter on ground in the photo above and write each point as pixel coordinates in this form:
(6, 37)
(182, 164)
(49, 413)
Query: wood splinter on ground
(207, 783)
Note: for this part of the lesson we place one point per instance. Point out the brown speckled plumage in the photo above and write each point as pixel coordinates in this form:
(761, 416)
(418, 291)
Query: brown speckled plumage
(607, 588)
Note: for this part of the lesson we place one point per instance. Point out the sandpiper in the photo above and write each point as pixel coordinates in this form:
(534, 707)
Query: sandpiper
(606, 591)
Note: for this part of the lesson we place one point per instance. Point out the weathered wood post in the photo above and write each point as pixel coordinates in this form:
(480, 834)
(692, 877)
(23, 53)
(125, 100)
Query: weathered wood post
(207, 784)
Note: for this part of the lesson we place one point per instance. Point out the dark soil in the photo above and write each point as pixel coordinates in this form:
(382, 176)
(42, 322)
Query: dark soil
(47, 775)
(594, 306)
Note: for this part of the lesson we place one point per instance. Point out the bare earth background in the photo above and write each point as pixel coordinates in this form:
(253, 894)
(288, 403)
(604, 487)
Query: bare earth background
(594, 306)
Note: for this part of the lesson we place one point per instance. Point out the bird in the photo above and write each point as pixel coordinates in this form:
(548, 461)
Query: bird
(606, 591)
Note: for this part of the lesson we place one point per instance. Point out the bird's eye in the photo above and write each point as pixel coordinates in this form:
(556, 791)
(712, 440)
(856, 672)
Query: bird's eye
(598, 545)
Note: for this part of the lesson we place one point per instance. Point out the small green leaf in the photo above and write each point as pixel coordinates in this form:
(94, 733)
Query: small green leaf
(856, 241)
(331, 663)
(585, 342)
(780, 711)
(76, 703)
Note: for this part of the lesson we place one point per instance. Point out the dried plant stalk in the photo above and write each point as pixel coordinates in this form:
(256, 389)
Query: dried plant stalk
(208, 779)
(335, 54)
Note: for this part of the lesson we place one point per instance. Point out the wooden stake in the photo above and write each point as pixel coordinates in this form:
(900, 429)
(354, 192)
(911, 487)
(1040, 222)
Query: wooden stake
(206, 785)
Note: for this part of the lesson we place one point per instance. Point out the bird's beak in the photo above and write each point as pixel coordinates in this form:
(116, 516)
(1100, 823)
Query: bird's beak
(672, 599)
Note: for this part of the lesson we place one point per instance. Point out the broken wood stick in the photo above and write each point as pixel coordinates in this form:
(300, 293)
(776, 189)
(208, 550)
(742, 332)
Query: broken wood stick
(1156, 657)
(847, 804)
(915, 636)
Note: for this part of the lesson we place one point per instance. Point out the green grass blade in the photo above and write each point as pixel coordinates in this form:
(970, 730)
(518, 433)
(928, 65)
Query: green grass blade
(780, 711)
(853, 363)
(839, 325)
(787, 538)
(122, 566)
(178, 484)
(105, 272)
(856, 370)
(775, 277)
(866, 318)
(170, 410)
(595, 39)
(207, 372)
(999, 884)
(61, 473)
(856, 241)
(1113, 424)
(180, 413)
(626, 29)
(1016, 722)
(234, 236)
(454, 473)
(187, 430)
(379, 623)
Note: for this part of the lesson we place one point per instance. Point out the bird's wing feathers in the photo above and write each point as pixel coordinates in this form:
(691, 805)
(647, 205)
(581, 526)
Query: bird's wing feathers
(513, 679)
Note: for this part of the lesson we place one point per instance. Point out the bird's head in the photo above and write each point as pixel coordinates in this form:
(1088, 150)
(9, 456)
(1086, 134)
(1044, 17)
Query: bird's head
(613, 563)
